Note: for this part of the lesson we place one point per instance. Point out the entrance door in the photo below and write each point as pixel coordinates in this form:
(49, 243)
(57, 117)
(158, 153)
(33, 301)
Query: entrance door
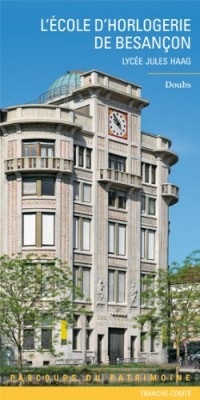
(115, 344)
(99, 348)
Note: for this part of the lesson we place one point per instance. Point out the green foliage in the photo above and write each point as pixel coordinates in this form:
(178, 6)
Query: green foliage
(171, 306)
(34, 292)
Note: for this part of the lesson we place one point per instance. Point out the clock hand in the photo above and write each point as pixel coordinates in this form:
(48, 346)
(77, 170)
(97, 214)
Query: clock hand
(116, 121)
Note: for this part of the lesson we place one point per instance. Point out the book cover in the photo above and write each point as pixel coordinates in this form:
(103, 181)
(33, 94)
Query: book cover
(99, 169)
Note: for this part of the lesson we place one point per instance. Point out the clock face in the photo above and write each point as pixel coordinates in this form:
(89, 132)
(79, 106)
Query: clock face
(117, 123)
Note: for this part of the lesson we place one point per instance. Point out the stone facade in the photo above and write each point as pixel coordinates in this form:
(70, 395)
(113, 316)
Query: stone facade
(113, 180)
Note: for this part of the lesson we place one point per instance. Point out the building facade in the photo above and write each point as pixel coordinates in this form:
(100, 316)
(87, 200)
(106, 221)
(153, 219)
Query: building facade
(80, 181)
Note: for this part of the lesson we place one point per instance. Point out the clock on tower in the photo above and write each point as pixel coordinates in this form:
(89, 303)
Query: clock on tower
(117, 122)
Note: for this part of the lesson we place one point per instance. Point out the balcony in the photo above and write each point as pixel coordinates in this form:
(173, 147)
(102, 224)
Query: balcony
(167, 156)
(38, 164)
(170, 193)
(119, 178)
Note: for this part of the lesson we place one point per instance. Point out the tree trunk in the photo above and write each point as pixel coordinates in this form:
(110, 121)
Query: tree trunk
(177, 352)
(19, 361)
(177, 362)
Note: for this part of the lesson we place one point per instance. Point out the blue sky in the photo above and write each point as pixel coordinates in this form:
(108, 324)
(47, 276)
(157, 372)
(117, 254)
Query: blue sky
(32, 60)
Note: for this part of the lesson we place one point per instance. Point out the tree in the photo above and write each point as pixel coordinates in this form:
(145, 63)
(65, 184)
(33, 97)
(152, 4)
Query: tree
(34, 289)
(171, 302)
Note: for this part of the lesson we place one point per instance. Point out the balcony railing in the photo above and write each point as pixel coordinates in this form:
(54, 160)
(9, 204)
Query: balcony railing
(120, 178)
(38, 164)
(170, 192)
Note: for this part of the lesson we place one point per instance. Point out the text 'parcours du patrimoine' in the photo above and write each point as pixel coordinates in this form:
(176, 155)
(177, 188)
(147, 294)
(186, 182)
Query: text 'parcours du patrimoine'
(96, 378)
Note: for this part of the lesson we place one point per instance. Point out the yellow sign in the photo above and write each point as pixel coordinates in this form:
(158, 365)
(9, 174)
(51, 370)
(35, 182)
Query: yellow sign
(63, 332)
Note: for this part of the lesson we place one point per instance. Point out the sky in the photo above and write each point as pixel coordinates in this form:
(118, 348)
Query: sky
(32, 59)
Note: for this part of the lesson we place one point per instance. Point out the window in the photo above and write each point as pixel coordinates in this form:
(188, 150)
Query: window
(143, 340)
(47, 229)
(82, 234)
(88, 158)
(147, 285)
(148, 205)
(117, 162)
(43, 148)
(153, 338)
(48, 282)
(76, 339)
(29, 333)
(151, 206)
(143, 289)
(29, 229)
(29, 186)
(82, 157)
(82, 192)
(76, 319)
(88, 319)
(149, 173)
(116, 286)
(46, 332)
(117, 198)
(88, 334)
(46, 338)
(82, 280)
(47, 186)
(86, 193)
(76, 332)
(112, 198)
(116, 239)
(148, 244)
(76, 190)
(39, 186)
(28, 339)
(38, 229)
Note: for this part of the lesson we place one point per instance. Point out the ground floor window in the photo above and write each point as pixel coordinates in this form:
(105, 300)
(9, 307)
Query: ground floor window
(143, 341)
(76, 339)
(153, 338)
(46, 332)
(42, 333)
(29, 339)
(88, 334)
(46, 338)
